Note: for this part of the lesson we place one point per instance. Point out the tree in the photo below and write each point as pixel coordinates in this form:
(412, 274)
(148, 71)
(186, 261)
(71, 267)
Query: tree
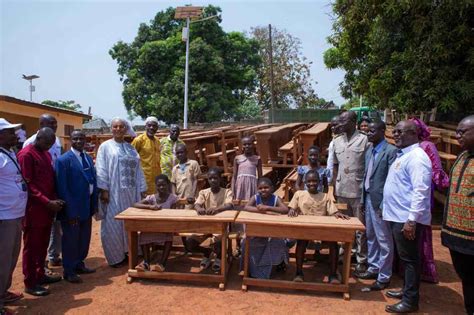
(292, 78)
(222, 69)
(70, 105)
(407, 55)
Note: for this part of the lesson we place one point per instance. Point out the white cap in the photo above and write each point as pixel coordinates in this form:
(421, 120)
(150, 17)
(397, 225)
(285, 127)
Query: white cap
(4, 124)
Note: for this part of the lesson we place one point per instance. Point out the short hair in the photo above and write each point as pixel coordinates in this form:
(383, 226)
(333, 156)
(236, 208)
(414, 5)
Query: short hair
(247, 137)
(163, 177)
(179, 145)
(312, 172)
(314, 148)
(265, 180)
(215, 170)
(379, 124)
(174, 126)
(78, 131)
(366, 119)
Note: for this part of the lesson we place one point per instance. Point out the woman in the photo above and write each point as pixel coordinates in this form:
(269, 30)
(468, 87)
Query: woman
(364, 124)
(440, 181)
(122, 183)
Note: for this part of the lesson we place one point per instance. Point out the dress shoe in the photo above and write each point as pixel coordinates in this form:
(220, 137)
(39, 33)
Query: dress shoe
(37, 291)
(84, 270)
(54, 263)
(378, 286)
(50, 279)
(395, 294)
(73, 279)
(401, 307)
(366, 275)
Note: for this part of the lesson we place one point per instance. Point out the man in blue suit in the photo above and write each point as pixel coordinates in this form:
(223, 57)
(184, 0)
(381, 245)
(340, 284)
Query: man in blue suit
(378, 159)
(77, 186)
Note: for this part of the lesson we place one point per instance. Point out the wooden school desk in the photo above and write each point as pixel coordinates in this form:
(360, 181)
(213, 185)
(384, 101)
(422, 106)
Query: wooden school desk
(175, 221)
(304, 228)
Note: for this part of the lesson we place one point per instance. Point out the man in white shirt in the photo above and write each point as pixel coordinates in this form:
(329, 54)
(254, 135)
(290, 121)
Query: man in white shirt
(13, 198)
(54, 248)
(406, 204)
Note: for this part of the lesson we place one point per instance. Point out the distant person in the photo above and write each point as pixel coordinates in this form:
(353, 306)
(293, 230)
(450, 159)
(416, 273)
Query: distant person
(457, 232)
(349, 165)
(122, 183)
(336, 132)
(184, 176)
(148, 147)
(21, 134)
(13, 198)
(161, 199)
(43, 204)
(247, 168)
(313, 164)
(168, 150)
(54, 248)
(364, 125)
(77, 185)
(406, 206)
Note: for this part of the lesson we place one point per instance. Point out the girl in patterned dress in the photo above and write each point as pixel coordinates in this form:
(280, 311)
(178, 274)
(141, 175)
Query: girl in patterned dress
(266, 252)
(163, 199)
(247, 168)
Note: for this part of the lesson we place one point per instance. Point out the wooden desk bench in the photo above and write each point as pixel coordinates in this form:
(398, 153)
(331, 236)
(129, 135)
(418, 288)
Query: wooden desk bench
(304, 228)
(175, 221)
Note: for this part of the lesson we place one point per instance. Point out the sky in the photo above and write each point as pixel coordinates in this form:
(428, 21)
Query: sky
(66, 43)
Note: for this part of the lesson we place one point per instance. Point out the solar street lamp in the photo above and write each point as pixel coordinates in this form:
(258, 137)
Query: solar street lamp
(32, 87)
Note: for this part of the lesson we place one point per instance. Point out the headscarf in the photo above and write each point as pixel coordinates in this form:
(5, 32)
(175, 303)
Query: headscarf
(151, 119)
(128, 125)
(422, 129)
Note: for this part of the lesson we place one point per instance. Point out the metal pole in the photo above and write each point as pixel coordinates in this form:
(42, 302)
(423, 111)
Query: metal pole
(272, 89)
(31, 90)
(185, 122)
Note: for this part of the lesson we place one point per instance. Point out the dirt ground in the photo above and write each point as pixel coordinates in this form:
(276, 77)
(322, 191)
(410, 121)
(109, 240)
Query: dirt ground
(106, 292)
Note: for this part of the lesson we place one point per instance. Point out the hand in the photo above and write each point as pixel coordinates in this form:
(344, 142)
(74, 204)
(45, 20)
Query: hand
(262, 208)
(201, 211)
(190, 200)
(154, 207)
(104, 196)
(55, 205)
(292, 213)
(361, 209)
(409, 229)
(211, 211)
(340, 215)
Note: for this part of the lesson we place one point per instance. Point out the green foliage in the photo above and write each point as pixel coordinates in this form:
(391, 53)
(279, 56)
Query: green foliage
(292, 78)
(249, 110)
(70, 105)
(222, 69)
(407, 55)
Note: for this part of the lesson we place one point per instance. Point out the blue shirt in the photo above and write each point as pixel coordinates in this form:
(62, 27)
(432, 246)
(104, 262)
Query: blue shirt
(407, 190)
(377, 148)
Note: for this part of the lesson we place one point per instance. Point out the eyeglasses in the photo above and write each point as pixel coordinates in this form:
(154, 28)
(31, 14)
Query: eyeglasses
(461, 132)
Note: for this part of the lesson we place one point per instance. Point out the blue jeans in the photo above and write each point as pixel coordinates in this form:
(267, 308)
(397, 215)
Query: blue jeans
(379, 243)
(54, 248)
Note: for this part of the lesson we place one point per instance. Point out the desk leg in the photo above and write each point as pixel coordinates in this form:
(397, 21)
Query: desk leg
(223, 256)
(346, 268)
(132, 252)
(246, 262)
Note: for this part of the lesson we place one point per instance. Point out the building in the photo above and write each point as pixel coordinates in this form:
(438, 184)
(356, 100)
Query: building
(19, 111)
(96, 126)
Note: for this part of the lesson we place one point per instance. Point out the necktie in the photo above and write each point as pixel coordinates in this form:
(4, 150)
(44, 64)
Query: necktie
(369, 170)
(86, 168)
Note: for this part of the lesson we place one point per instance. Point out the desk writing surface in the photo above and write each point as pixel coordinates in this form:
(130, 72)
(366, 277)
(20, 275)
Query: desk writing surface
(301, 220)
(175, 215)
(278, 128)
(316, 129)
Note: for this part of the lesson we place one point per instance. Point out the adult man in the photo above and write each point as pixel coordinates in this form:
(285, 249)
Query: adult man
(54, 248)
(406, 204)
(13, 198)
(378, 159)
(168, 150)
(77, 186)
(37, 170)
(335, 133)
(349, 164)
(458, 231)
(148, 147)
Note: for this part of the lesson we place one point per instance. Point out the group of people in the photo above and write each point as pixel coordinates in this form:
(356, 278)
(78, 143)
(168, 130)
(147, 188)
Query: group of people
(50, 197)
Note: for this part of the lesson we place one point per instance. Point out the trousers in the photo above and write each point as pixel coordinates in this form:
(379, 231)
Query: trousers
(35, 247)
(75, 241)
(463, 265)
(361, 239)
(10, 243)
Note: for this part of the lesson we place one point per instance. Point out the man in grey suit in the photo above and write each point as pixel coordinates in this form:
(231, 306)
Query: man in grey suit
(378, 159)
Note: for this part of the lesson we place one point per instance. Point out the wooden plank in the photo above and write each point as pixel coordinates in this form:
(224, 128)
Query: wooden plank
(284, 284)
(175, 215)
(176, 276)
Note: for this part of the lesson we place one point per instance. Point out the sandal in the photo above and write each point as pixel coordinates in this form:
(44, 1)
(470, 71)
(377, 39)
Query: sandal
(157, 268)
(205, 263)
(217, 265)
(299, 278)
(334, 279)
(143, 266)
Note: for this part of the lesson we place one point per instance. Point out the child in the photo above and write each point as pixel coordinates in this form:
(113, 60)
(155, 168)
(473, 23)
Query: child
(161, 200)
(312, 202)
(211, 201)
(184, 176)
(266, 252)
(247, 168)
(313, 159)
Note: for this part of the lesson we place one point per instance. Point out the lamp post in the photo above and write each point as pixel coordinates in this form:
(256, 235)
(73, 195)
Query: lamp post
(32, 87)
(187, 13)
